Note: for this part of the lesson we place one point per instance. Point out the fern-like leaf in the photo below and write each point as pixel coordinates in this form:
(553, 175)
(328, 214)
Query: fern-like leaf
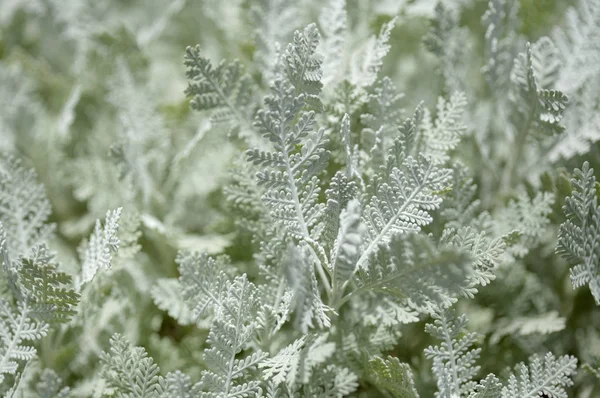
(490, 387)
(307, 303)
(578, 45)
(545, 62)
(454, 359)
(294, 364)
(460, 205)
(393, 377)
(579, 236)
(230, 334)
(274, 21)
(500, 22)
(448, 42)
(548, 376)
(525, 220)
(536, 109)
(367, 62)
(168, 296)
(48, 291)
(485, 251)
(291, 176)
(416, 276)
(384, 109)
(141, 149)
(24, 208)
(129, 372)
(303, 366)
(223, 90)
(179, 385)
(347, 244)
(541, 324)
(97, 252)
(445, 134)
(333, 23)
(302, 65)
(402, 205)
(204, 281)
(17, 334)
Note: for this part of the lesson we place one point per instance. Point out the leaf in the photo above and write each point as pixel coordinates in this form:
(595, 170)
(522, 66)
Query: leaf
(97, 252)
(291, 176)
(485, 251)
(393, 377)
(453, 359)
(367, 63)
(17, 334)
(579, 235)
(24, 208)
(224, 90)
(549, 376)
(541, 324)
(297, 363)
(501, 23)
(141, 149)
(179, 385)
(274, 21)
(307, 304)
(535, 109)
(577, 43)
(333, 22)
(204, 282)
(167, 295)
(418, 277)
(546, 63)
(129, 371)
(47, 290)
(448, 129)
(302, 65)
(402, 205)
(460, 205)
(231, 333)
(283, 367)
(524, 221)
(384, 108)
(347, 245)
(490, 387)
(449, 43)
(340, 192)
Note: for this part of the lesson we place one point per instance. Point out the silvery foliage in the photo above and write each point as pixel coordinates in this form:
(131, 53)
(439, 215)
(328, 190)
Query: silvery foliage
(579, 236)
(358, 214)
(454, 366)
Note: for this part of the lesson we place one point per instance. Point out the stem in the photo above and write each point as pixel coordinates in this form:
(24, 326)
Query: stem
(452, 360)
(265, 342)
(338, 303)
(15, 339)
(322, 275)
(298, 209)
(510, 173)
(234, 346)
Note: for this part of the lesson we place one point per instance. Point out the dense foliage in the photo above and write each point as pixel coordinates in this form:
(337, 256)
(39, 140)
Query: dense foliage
(299, 198)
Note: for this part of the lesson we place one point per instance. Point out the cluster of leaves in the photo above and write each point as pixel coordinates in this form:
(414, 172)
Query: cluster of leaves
(315, 215)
